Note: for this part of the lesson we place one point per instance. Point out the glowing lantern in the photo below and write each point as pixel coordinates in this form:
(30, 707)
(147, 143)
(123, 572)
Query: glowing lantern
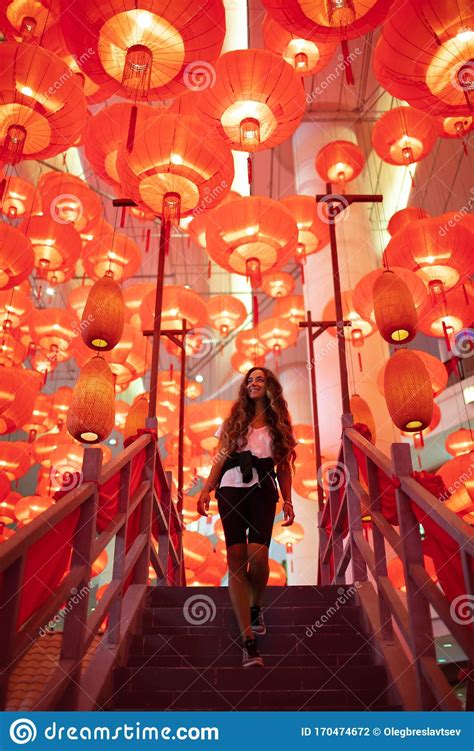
(305, 481)
(196, 548)
(430, 64)
(256, 101)
(46, 444)
(133, 296)
(196, 229)
(436, 369)
(249, 345)
(457, 476)
(251, 236)
(18, 391)
(304, 434)
(288, 536)
(15, 459)
(39, 118)
(27, 20)
(242, 363)
(277, 334)
(455, 127)
(136, 417)
(402, 218)
(313, 233)
(111, 253)
(148, 51)
(18, 198)
(360, 327)
(55, 245)
(126, 360)
(212, 572)
(12, 351)
(226, 313)
(339, 162)
(277, 577)
(103, 315)
(61, 398)
(460, 442)
(305, 56)
(290, 309)
(179, 304)
(91, 416)
(15, 305)
(99, 564)
(67, 199)
(397, 576)
(41, 418)
(403, 136)
(30, 506)
(364, 289)
(362, 413)
(54, 329)
(176, 167)
(219, 530)
(16, 257)
(418, 438)
(394, 309)
(202, 420)
(304, 454)
(77, 298)
(448, 317)
(278, 284)
(408, 391)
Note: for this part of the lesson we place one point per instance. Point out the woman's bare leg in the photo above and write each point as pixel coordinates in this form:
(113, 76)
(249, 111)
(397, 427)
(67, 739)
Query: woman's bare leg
(258, 571)
(239, 589)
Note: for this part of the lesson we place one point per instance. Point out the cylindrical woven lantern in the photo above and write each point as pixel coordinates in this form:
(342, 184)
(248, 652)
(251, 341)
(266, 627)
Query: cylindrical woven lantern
(91, 416)
(339, 162)
(408, 391)
(394, 309)
(16, 256)
(103, 316)
(364, 289)
(436, 369)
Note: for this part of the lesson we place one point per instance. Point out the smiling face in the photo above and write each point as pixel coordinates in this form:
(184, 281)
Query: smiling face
(256, 384)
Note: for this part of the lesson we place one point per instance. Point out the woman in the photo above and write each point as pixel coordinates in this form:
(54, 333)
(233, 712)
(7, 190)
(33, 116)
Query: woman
(256, 436)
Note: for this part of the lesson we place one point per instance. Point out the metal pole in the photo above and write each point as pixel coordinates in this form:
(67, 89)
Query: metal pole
(182, 385)
(341, 342)
(155, 354)
(314, 405)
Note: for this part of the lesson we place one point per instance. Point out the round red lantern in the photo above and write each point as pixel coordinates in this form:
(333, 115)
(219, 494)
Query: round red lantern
(306, 57)
(19, 198)
(403, 136)
(448, 317)
(277, 575)
(313, 233)
(179, 304)
(27, 21)
(277, 334)
(339, 162)
(460, 442)
(16, 257)
(15, 307)
(54, 330)
(111, 253)
(68, 200)
(279, 284)
(77, 298)
(291, 308)
(133, 297)
(401, 218)
(196, 549)
(360, 327)
(242, 363)
(16, 459)
(18, 391)
(56, 246)
(12, 351)
(226, 313)
(248, 344)
(202, 420)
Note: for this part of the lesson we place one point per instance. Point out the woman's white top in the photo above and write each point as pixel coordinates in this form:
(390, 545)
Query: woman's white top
(259, 442)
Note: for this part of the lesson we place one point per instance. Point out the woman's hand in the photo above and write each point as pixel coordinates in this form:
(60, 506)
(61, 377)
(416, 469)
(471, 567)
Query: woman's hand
(203, 503)
(289, 514)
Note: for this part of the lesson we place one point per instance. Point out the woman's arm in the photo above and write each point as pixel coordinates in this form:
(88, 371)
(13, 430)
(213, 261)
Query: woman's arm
(210, 484)
(284, 482)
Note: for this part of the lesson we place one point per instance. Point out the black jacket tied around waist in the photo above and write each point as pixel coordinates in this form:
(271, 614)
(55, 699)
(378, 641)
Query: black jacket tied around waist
(246, 461)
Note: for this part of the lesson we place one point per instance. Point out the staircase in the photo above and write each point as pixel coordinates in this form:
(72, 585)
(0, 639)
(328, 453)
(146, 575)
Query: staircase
(174, 664)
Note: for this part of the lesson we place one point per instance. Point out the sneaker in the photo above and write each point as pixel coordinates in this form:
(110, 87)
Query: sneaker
(250, 654)
(257, 623)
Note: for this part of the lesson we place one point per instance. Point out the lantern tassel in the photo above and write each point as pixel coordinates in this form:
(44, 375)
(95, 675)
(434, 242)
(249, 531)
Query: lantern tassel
(122, 217)
(3, 185)
(255, 309)
(249, 170)
(347, 63)
(147, 241)
(359, 357)
(209, 270)
(302, 273)
(131, 128)
(466, 298)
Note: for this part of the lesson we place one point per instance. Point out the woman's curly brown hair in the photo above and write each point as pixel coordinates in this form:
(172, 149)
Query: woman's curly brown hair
(235, 428)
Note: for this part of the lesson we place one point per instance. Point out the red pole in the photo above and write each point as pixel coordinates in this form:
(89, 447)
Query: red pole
(182, 385)
(155, 354)
(314, 405)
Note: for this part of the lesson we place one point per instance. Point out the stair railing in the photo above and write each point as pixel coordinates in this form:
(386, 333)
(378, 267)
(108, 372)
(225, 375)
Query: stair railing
(401, 635)
(73, 685)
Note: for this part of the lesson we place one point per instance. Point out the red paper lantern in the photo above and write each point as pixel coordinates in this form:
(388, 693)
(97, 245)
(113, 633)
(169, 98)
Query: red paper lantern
(291, 308)
(280, 284)
(256, 101)
(16, 257)
(448, 317)
(305, 56)
(42, 418)
(360, 327)
(77, 298)
(313, 233)
(111, 253)
(458, 478)
(226, 313)
(27, 21)
(277, 575)
(15, 307)
(196, 549)
(248, 344)
(402, 218)
(19, 198)
(42, 107)
(339, 162)
(202, 420)
(30, 506)
(133, 297)
(12, 351)
(460, 442)
(178, 303)
(277, 334)
(68, 200)
(54, 330)
(18, 391)
(56, 246)
(403, 136)
(16, 459)
(242, 362)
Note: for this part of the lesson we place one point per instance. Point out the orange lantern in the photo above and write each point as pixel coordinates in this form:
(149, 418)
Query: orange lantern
(54, 330)
(287, 536)
(77, 298)
(176, 168)
(362, 413)
(226, 313)
(448, 317)
(442, 259)
(305, 56)
(61, 401)
(303, 455)
(136, 417)
(256, 101)
(145, 52)
(190, 514)
(401, 218)
(16, 257)
(15, 306)
(196, 549)
(408, 391)
(91, 416)
(179, 304)
(19, 198)
(455, 127)
(111, 253)
(68, 200)
(12, 351)
(248, 344)
(460, 442)
(418, 438)
(278, 284)
(277, 334)
(196, 228)
(45, 444)
(304, 434)
(18, 391)
(56, 246)
(30, 506)
(436, 369)
(212, 572)
(397, 576)
(457, 476)
(99, 564)
(39, 117)
(313, 233)
(291, 308)
(251, 236)
(242, 363)
(202, 420)
(15, 459)
(26, 21)
(364, 289)
(133, 296)
(360, 327)
(103, 315)
(305, 482)
(403, 136)
(41, 418)
(277, 576)
(394, 309)
(339, 162)
(429, 64)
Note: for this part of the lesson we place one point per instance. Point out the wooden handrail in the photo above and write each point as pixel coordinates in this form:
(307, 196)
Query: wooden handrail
(369, 564)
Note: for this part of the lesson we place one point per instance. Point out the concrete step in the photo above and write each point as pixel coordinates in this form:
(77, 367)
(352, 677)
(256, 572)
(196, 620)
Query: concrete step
(294, 595)
(199, 660)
